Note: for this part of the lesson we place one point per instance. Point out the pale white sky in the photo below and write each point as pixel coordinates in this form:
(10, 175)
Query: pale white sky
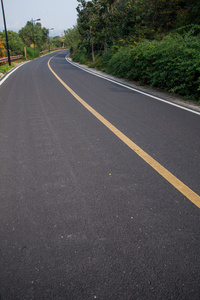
(60, 14)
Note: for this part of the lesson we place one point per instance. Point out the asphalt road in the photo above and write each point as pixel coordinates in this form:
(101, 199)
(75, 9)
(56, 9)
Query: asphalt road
(82, 215)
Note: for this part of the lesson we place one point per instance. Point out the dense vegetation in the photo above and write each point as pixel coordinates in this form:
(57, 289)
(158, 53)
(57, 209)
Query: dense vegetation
(17, 41)
(153, 41)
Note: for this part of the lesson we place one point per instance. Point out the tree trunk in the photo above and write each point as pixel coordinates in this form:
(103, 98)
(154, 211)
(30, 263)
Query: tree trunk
(92, 44)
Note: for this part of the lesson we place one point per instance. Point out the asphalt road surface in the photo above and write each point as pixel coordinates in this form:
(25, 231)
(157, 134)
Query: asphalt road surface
(83, 215)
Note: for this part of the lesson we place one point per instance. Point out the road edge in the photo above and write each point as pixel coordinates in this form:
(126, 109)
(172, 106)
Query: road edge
(5, 76)
(160, 95)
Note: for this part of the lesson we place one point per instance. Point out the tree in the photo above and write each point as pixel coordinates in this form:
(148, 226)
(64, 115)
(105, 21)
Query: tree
(98, 24)
(105, 23)
(40, 35)
(26, 34)
(72, 37)
(16, 44)
(189, 13)
(56, 41)
(2, 48)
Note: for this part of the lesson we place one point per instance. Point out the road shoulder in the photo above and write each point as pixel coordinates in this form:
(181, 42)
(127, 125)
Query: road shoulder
(156, 92)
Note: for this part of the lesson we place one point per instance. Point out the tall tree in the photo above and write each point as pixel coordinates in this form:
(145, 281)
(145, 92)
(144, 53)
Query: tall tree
(99, 22)
(88, 21)
(103, 23)
(72, 37)
(16, 44)
(40, 36)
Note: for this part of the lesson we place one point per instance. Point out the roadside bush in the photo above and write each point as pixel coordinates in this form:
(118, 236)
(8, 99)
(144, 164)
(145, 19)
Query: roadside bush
(98, 61)
(80, 56)
(172, 63)
(32, 53)
(106, 57)
(119, 64)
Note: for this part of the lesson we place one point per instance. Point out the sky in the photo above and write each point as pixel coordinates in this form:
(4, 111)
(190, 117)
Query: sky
(60, 14)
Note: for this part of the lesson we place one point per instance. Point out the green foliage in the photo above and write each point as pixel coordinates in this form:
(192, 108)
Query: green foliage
(31, 30)
(72, 40)
(172, 64)
(56, 42)
(153, 41)
(31, 53)
(105, 23)
(16, 44)
(80, 56)
(106, 57)
(142, 40)
(5, 68)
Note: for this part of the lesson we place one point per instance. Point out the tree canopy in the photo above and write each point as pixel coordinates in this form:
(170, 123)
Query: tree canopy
(102, 23)
(155, 42)
(34, 33)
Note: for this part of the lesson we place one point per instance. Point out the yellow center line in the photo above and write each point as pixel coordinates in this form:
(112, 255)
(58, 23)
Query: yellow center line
(179, 185)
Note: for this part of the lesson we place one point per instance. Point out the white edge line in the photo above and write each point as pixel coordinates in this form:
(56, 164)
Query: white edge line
(12, 71)
(133, 89)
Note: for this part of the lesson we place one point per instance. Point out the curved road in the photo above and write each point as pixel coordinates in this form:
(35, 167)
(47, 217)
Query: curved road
(90, 211)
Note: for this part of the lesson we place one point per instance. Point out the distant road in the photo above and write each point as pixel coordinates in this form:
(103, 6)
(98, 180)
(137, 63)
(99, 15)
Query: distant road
(100, 189)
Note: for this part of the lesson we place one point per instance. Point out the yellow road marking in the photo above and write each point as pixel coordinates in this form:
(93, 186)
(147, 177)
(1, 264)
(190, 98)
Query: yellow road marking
(179, 185)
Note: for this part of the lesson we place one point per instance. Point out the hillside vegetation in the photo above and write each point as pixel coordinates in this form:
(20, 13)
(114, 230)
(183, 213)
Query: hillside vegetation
(156, 42)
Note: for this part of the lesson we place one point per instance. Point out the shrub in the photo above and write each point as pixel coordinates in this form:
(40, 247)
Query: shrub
(172, 63)
(32, 53)
(80, 56)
